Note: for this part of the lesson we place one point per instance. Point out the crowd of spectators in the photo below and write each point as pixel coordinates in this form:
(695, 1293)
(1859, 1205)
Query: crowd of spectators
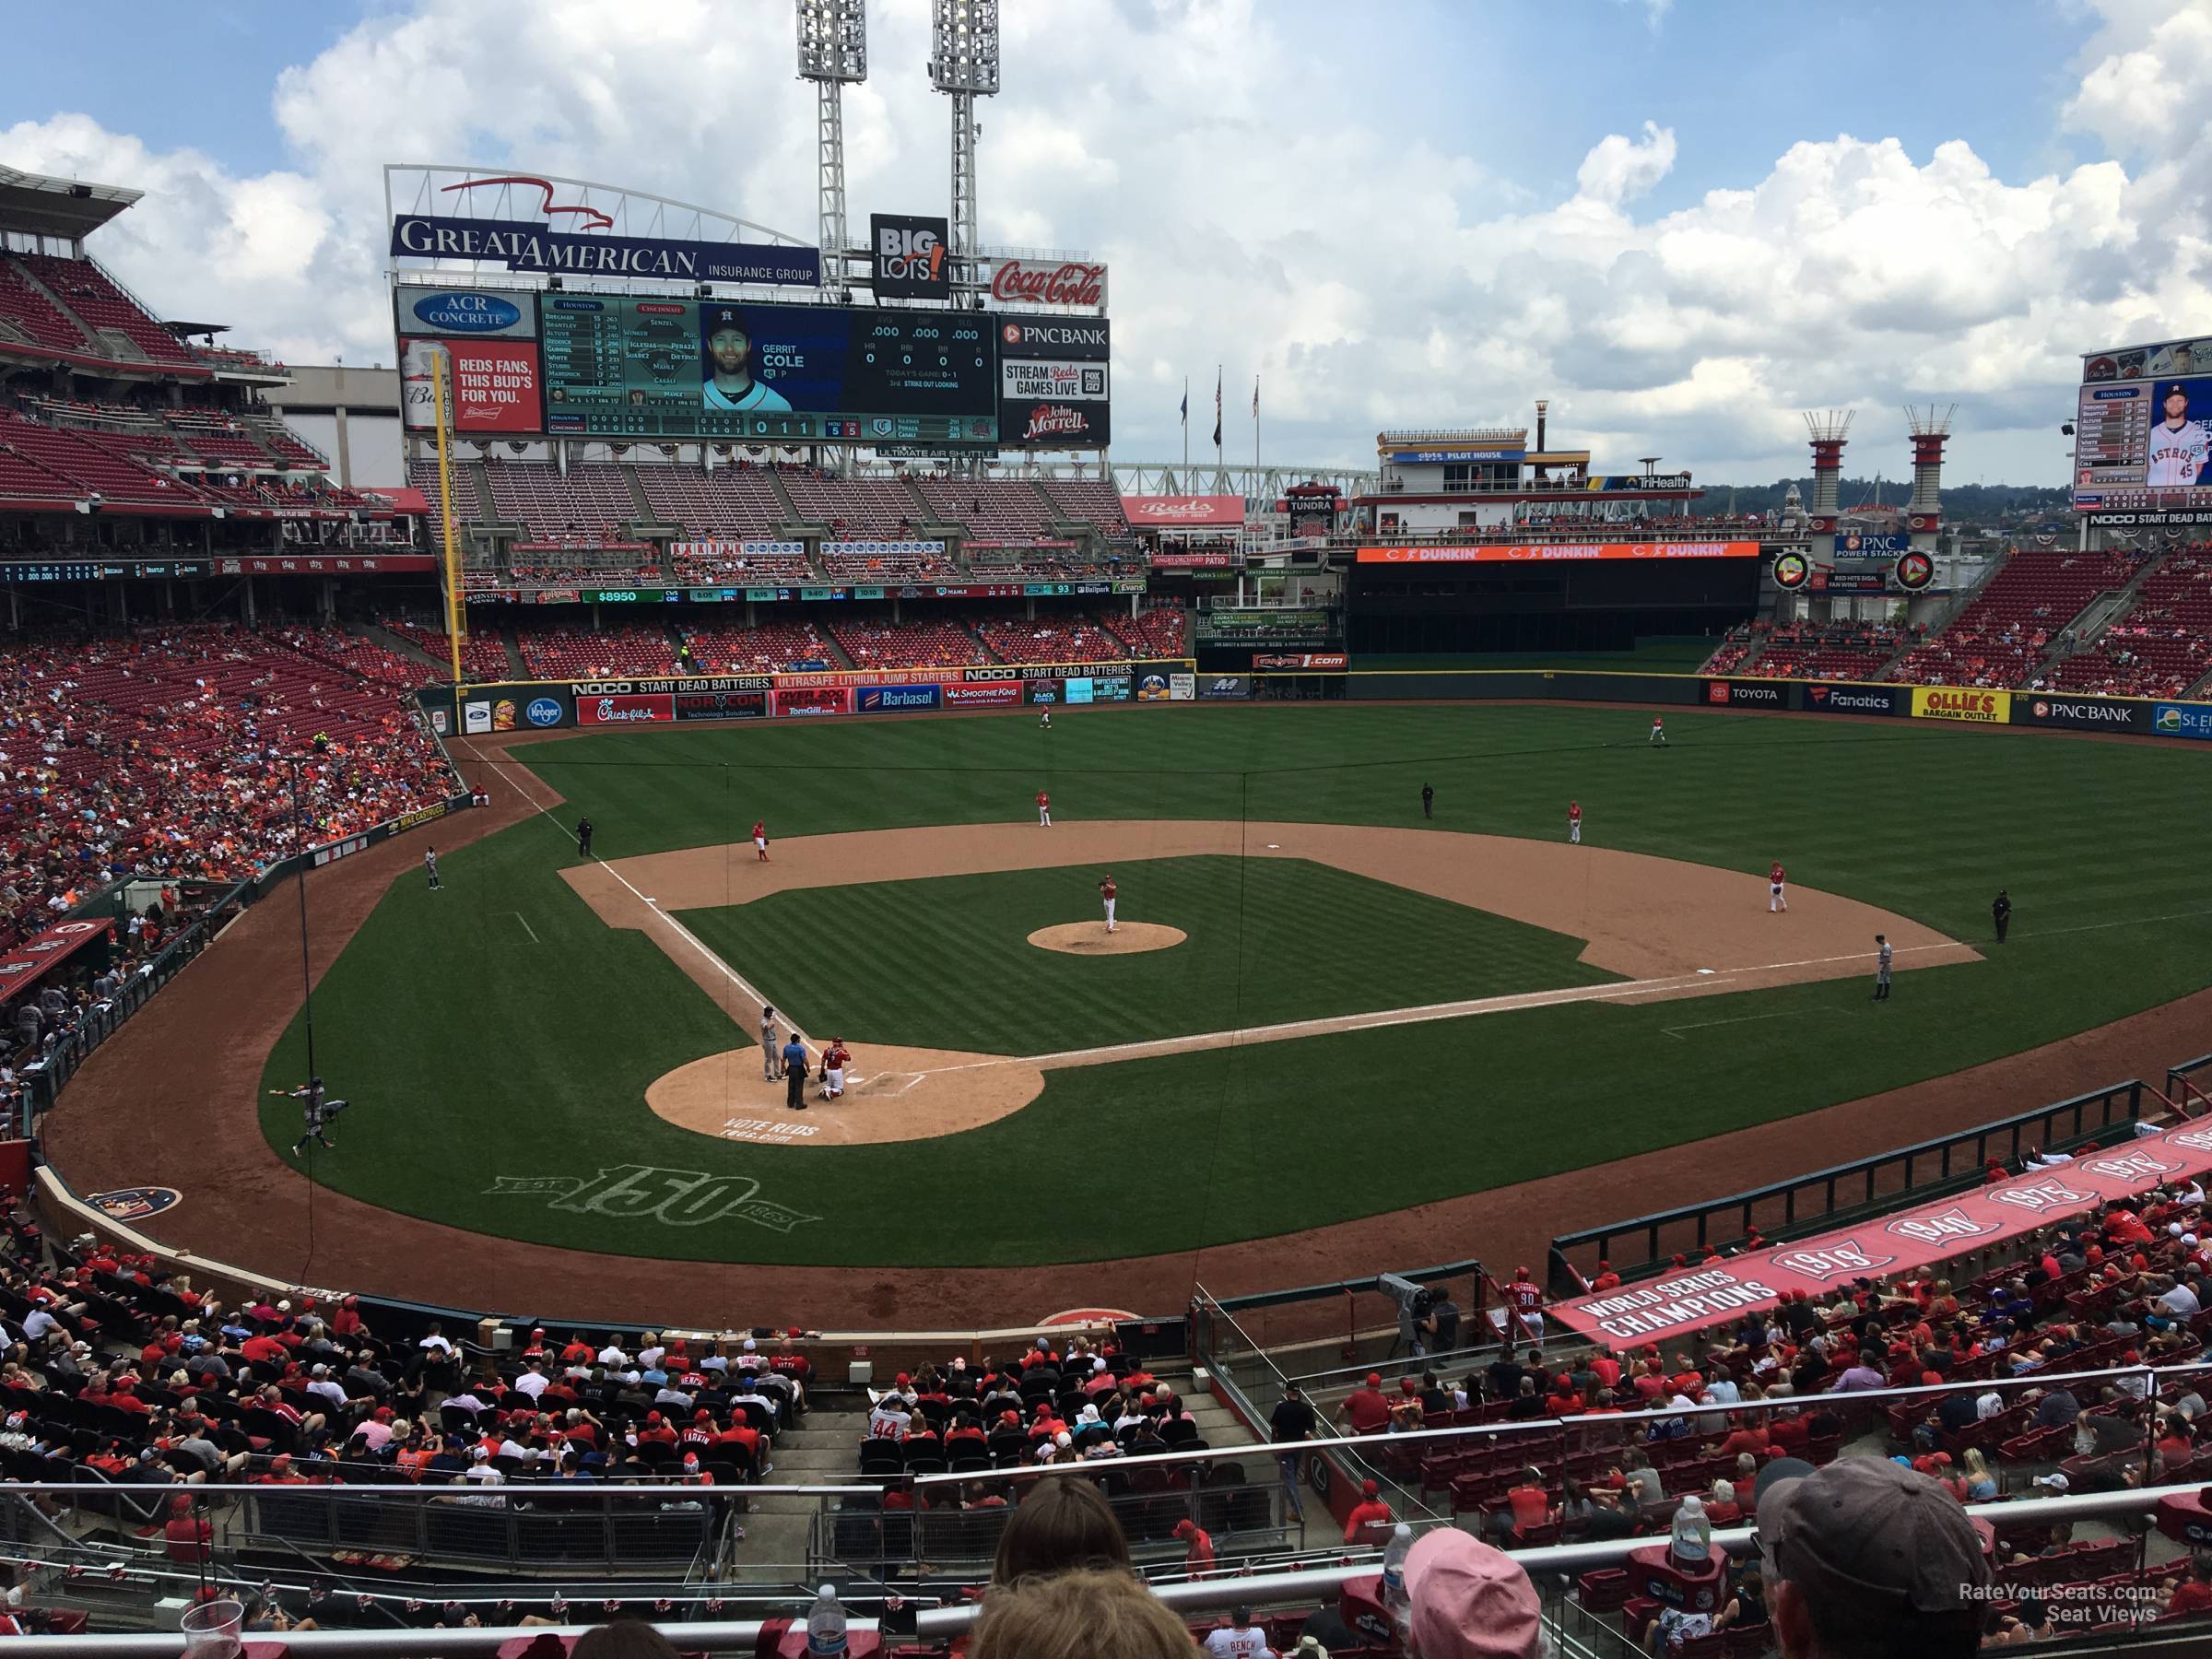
(168, 752)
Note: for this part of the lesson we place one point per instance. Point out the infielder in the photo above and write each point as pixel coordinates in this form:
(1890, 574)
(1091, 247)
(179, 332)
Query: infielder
(770, 1049)
(1044, 810)
(429, 864)
(2179, 447)
(1106, 891)
(1777, 900)
(1658, 731)
(760, 839)
(1881, 968)
(1574, 822)
(835, 1059)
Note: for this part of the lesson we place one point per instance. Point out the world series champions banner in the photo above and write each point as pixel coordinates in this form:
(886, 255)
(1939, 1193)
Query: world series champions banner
(1721, 1292)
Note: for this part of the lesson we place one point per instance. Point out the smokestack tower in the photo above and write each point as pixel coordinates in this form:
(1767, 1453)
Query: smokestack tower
(1930, 431)
(1829, 430)
(1542, 404)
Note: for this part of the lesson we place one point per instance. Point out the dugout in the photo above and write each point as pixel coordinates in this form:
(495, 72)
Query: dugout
(1558, 601)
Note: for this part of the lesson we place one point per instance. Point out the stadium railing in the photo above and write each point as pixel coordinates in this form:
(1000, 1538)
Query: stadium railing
(2183, 1092)
(1844, 1193)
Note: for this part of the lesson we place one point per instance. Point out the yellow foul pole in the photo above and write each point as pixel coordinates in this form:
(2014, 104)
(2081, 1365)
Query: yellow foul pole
(453, 614)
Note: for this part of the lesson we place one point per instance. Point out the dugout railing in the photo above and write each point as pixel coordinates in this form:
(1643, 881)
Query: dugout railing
(1843, 1193)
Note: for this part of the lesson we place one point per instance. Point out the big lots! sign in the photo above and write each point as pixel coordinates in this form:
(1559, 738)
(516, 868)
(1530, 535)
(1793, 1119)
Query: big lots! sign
(1036, 282)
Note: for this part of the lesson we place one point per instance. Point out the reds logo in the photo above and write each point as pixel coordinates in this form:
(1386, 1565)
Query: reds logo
(1831, 1263)
(1949, 1224)
(2040, 1195)
(589, 218)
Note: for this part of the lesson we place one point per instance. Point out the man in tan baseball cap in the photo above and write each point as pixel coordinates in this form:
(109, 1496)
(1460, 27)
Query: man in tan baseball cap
(1867, 1557)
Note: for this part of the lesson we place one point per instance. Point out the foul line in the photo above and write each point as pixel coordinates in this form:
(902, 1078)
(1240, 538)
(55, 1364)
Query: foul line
(526, 927)
(652, 908)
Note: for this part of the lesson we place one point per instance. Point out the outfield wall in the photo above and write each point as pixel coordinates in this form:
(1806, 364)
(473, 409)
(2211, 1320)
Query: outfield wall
(675, 699)
(1970, 705)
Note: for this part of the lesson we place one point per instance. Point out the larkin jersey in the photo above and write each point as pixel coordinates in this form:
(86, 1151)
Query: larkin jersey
(2178, 457)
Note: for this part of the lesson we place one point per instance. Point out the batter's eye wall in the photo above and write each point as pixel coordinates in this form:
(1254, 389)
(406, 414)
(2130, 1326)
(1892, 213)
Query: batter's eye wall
(1600, 606)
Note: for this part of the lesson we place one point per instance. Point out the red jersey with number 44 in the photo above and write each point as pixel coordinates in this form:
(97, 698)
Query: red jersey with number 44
(1043, 799)
(1107, 888)
(1776, 875)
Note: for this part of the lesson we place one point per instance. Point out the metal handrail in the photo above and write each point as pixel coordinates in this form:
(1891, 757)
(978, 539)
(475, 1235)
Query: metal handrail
(1201, 1595)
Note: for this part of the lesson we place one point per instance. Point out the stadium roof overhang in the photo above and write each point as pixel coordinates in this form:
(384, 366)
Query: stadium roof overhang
(68, 209)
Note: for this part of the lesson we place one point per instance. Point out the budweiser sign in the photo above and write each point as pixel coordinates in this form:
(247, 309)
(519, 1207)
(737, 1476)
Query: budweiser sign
(1031, 282)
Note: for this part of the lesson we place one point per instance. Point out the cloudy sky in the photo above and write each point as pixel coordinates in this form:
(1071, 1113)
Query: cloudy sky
(1682, 221)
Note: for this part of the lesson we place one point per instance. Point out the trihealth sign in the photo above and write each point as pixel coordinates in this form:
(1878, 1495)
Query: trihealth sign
(1962, 702)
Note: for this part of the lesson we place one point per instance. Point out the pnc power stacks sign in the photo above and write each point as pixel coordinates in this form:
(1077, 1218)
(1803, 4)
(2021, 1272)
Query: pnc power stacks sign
(1967, 703)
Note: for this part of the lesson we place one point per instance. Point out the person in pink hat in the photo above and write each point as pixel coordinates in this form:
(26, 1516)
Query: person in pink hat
(1468, 1601)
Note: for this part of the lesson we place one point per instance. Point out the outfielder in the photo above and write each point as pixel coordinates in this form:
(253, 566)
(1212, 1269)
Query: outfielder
(429, 864)
(315, 1111)
(1777, 899)
(2179, 447)
(1658, 731)
(1106, 891)
(1044, 810)
(835, 1059)
(1046, 722)
(1574, 822)
(1881, 968)
(760, 839)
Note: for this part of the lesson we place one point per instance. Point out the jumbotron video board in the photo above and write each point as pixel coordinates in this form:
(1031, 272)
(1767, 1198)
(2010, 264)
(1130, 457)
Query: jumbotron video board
(622, 366)
(2143, 431)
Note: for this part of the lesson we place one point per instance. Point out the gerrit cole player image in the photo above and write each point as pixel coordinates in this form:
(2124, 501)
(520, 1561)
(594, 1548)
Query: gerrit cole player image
(2179, 447)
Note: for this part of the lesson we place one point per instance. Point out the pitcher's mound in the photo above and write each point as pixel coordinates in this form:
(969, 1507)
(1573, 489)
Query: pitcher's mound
(1090, 939)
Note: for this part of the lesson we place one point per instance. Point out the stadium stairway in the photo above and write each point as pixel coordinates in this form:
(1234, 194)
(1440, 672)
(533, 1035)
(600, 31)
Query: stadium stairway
(400, 647)
(792, 516)
(2101, 612)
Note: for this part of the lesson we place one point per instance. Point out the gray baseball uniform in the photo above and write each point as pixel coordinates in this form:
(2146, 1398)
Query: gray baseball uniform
(771, 1049)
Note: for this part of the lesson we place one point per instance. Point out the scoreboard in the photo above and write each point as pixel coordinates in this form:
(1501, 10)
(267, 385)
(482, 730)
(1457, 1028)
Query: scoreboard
(647, 368)
(2143, 429)
(677, 367)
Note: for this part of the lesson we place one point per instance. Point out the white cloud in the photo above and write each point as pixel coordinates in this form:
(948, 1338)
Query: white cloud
(1367, 274)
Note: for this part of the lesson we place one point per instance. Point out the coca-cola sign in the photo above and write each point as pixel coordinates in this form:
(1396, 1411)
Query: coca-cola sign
(1037, 282)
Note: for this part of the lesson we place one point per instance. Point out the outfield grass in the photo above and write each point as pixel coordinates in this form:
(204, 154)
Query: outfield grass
(475, 1051)
(1270, 940)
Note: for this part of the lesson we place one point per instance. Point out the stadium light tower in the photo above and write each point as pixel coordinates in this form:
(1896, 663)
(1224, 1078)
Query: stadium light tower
(963, 64)
(833, 49)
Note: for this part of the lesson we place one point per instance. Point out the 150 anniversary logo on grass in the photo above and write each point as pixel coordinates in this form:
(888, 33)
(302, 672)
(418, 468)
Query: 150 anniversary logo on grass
(647, 1192)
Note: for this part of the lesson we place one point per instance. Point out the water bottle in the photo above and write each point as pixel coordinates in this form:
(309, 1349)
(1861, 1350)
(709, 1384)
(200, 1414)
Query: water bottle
(1394, 1570)
(1690, 1542)
(826, 1623)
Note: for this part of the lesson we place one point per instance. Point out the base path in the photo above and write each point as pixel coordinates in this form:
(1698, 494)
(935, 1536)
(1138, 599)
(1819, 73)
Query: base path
(195, 1056)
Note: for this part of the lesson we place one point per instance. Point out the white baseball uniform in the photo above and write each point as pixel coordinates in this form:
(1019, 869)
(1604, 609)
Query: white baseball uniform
(2179, 455)
(1777, 900)
(1574, 826)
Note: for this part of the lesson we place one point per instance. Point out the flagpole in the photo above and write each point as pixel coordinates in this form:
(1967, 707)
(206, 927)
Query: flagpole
(1220, 464)
(1255, 430)
(1187, 432)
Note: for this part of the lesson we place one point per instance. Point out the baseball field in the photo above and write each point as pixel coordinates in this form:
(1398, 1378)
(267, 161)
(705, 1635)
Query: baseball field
(1362, 1011)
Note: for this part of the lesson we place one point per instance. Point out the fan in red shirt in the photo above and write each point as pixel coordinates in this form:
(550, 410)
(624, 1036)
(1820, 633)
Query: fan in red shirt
(1199, 1558)
(1365, 1408)
(2193, 1593)
(1370, 1518)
